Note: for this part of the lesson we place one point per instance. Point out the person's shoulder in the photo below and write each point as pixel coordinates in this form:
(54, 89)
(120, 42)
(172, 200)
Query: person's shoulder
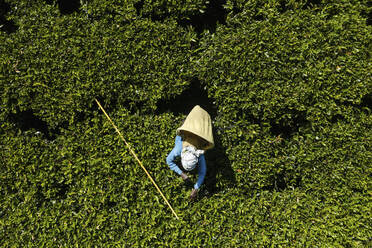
(178, 139)
(201, 158)
(178, 145)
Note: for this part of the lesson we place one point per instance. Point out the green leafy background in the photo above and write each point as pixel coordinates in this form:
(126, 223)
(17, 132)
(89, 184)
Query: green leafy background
(288, 86)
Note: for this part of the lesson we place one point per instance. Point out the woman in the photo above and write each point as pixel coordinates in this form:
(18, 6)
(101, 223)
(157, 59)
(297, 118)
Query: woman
(193, 138)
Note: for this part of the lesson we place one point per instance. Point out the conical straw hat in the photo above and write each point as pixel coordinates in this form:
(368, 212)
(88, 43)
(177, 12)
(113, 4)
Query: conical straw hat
(199, 123)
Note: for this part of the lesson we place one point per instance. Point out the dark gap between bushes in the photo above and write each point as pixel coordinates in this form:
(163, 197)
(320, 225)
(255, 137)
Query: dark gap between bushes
(279, 183)
(27, 120)
(312, 3)
(367, 101)
(286, 130)
(108, 103)
(62, 189)
(285, 5)
(39, 197)
(182, 104)
(138, 6)
(5, 25)
(154, 16)
(110, 204)
(68, 6)
(214, 13)
(337, 118)
(235, 9)
(282, 7)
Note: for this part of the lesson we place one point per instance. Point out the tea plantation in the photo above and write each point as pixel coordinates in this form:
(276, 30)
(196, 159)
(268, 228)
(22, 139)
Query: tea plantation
(287, 84)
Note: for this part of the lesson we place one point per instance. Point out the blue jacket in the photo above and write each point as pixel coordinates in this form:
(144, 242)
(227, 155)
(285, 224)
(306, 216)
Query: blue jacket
(176, 152)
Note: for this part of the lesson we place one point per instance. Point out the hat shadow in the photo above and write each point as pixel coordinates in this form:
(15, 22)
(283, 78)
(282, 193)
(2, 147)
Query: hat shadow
(220, 174)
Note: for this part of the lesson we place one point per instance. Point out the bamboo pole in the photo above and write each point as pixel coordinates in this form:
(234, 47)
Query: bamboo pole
(135, 156)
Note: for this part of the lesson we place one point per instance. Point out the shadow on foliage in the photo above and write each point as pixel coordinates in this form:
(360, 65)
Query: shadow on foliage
(182, 104)
(5, 25)
(27, 120)
(214, 13)
(219, 170)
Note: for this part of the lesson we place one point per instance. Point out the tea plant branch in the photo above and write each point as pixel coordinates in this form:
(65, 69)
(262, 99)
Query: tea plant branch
(135, 156)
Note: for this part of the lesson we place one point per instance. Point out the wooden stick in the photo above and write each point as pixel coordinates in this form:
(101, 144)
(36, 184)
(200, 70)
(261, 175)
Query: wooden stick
(135, 156)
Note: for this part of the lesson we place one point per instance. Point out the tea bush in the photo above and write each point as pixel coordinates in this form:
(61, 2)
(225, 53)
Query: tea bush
(286, 77)
(288, 84)
(68, 65)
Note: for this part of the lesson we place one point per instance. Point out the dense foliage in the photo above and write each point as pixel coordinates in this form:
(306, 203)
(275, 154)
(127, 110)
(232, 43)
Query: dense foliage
(288, 85)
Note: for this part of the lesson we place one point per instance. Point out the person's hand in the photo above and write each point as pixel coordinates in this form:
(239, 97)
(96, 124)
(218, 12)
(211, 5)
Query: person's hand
(184, 176)
(194, 194)
(186, 180)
